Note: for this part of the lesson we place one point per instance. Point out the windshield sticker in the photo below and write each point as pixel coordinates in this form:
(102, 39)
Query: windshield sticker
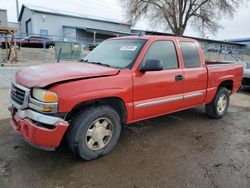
(128, 48)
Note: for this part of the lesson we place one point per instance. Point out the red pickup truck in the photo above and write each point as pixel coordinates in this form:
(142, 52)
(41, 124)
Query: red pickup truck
(123, 80)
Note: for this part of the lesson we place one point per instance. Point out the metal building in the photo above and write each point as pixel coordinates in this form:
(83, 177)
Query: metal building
(212, 49)
(3, 17)
(245, 41)
(67, 26)
(206, 44)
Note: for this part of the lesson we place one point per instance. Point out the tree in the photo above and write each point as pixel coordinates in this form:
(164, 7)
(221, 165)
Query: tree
(176, 15)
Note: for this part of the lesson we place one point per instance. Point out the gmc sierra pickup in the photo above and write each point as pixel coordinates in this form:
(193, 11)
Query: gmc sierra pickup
(123, 80)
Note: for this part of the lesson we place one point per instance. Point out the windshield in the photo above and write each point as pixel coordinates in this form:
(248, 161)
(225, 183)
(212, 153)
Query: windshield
(116, 53)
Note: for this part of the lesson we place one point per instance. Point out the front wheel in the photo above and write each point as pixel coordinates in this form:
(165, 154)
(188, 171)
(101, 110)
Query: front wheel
(94, 132)
(218, 107)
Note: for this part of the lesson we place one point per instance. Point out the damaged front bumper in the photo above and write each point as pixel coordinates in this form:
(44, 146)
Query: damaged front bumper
(42, 131)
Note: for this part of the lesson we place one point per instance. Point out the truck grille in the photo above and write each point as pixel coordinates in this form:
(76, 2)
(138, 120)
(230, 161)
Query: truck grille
(17, 94)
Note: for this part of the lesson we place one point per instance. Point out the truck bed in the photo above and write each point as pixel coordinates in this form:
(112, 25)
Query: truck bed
(220, 71)
(219, 63)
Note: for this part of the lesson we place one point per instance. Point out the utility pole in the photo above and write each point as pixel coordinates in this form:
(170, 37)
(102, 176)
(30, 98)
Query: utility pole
(17, 9)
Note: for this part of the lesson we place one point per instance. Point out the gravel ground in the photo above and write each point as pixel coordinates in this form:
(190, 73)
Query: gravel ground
(185, 149)
(4, 103)
(7, 74)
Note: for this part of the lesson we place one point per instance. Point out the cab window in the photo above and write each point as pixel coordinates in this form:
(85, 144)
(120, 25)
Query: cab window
(165, 52)
(190, 54)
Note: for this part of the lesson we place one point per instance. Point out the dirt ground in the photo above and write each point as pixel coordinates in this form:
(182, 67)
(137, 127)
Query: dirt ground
(185, 149)
(31, 55)
(4, 103)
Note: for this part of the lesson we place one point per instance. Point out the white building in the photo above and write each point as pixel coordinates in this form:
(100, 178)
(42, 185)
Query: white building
(69, 26)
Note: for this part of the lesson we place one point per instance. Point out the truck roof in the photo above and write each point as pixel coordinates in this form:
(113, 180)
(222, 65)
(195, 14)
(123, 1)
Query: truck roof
(154, 37)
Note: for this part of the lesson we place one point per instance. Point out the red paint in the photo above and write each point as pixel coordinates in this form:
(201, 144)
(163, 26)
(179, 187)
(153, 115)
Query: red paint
(43, 75)
(131, 86)
(39, 136)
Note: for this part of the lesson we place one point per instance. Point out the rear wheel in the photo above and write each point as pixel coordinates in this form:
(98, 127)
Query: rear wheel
(94, 132)
(218, 107)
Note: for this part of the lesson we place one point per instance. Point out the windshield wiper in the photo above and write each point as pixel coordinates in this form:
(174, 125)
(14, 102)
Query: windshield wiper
(97, 63)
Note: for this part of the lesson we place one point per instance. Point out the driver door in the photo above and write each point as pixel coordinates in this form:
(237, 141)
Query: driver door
(159, 92)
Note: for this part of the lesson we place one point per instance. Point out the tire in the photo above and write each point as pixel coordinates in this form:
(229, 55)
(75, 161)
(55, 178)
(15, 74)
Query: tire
(86, 136)
(215, 109)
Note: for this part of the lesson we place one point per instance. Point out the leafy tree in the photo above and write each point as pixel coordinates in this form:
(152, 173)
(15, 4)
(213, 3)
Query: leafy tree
(176, 15)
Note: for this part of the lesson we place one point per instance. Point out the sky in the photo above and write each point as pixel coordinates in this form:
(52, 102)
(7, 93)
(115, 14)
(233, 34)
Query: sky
(236, 27)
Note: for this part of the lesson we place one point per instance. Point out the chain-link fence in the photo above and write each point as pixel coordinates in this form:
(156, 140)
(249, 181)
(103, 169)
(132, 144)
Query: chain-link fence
(225, 52)
(237, 55)
(37, 49)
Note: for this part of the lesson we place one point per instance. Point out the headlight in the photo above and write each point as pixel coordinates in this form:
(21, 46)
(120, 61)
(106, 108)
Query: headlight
(44, 95)
(41, 108)
(43, 100)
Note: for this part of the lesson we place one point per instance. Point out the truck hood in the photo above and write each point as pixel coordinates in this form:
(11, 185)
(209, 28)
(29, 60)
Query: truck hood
(44, 75)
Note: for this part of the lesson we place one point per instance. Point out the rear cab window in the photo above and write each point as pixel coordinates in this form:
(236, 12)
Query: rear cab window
(165, 52)
(190, 54)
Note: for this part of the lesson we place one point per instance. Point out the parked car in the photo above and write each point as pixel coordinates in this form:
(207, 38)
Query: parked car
(92, 46)
(34, 42)
(122, 81)
(245, 84)
(246, 75)
(37, 42)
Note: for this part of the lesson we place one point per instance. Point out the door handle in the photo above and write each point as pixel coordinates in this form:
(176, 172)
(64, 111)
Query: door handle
(179, 78)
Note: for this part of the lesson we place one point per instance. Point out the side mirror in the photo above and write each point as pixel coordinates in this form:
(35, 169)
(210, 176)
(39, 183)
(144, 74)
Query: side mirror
(151, 65)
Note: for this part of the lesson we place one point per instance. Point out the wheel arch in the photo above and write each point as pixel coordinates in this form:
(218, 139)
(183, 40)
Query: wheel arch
(115, 102)
(227, 84)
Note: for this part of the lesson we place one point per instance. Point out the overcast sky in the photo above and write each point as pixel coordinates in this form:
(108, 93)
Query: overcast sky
(236, 27)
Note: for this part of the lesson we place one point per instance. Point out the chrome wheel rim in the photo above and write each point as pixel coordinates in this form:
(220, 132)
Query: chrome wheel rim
(99, 134)
(222, 103)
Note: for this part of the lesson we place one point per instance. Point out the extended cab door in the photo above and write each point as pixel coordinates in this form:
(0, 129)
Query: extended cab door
(195, 74)
(158, 92)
